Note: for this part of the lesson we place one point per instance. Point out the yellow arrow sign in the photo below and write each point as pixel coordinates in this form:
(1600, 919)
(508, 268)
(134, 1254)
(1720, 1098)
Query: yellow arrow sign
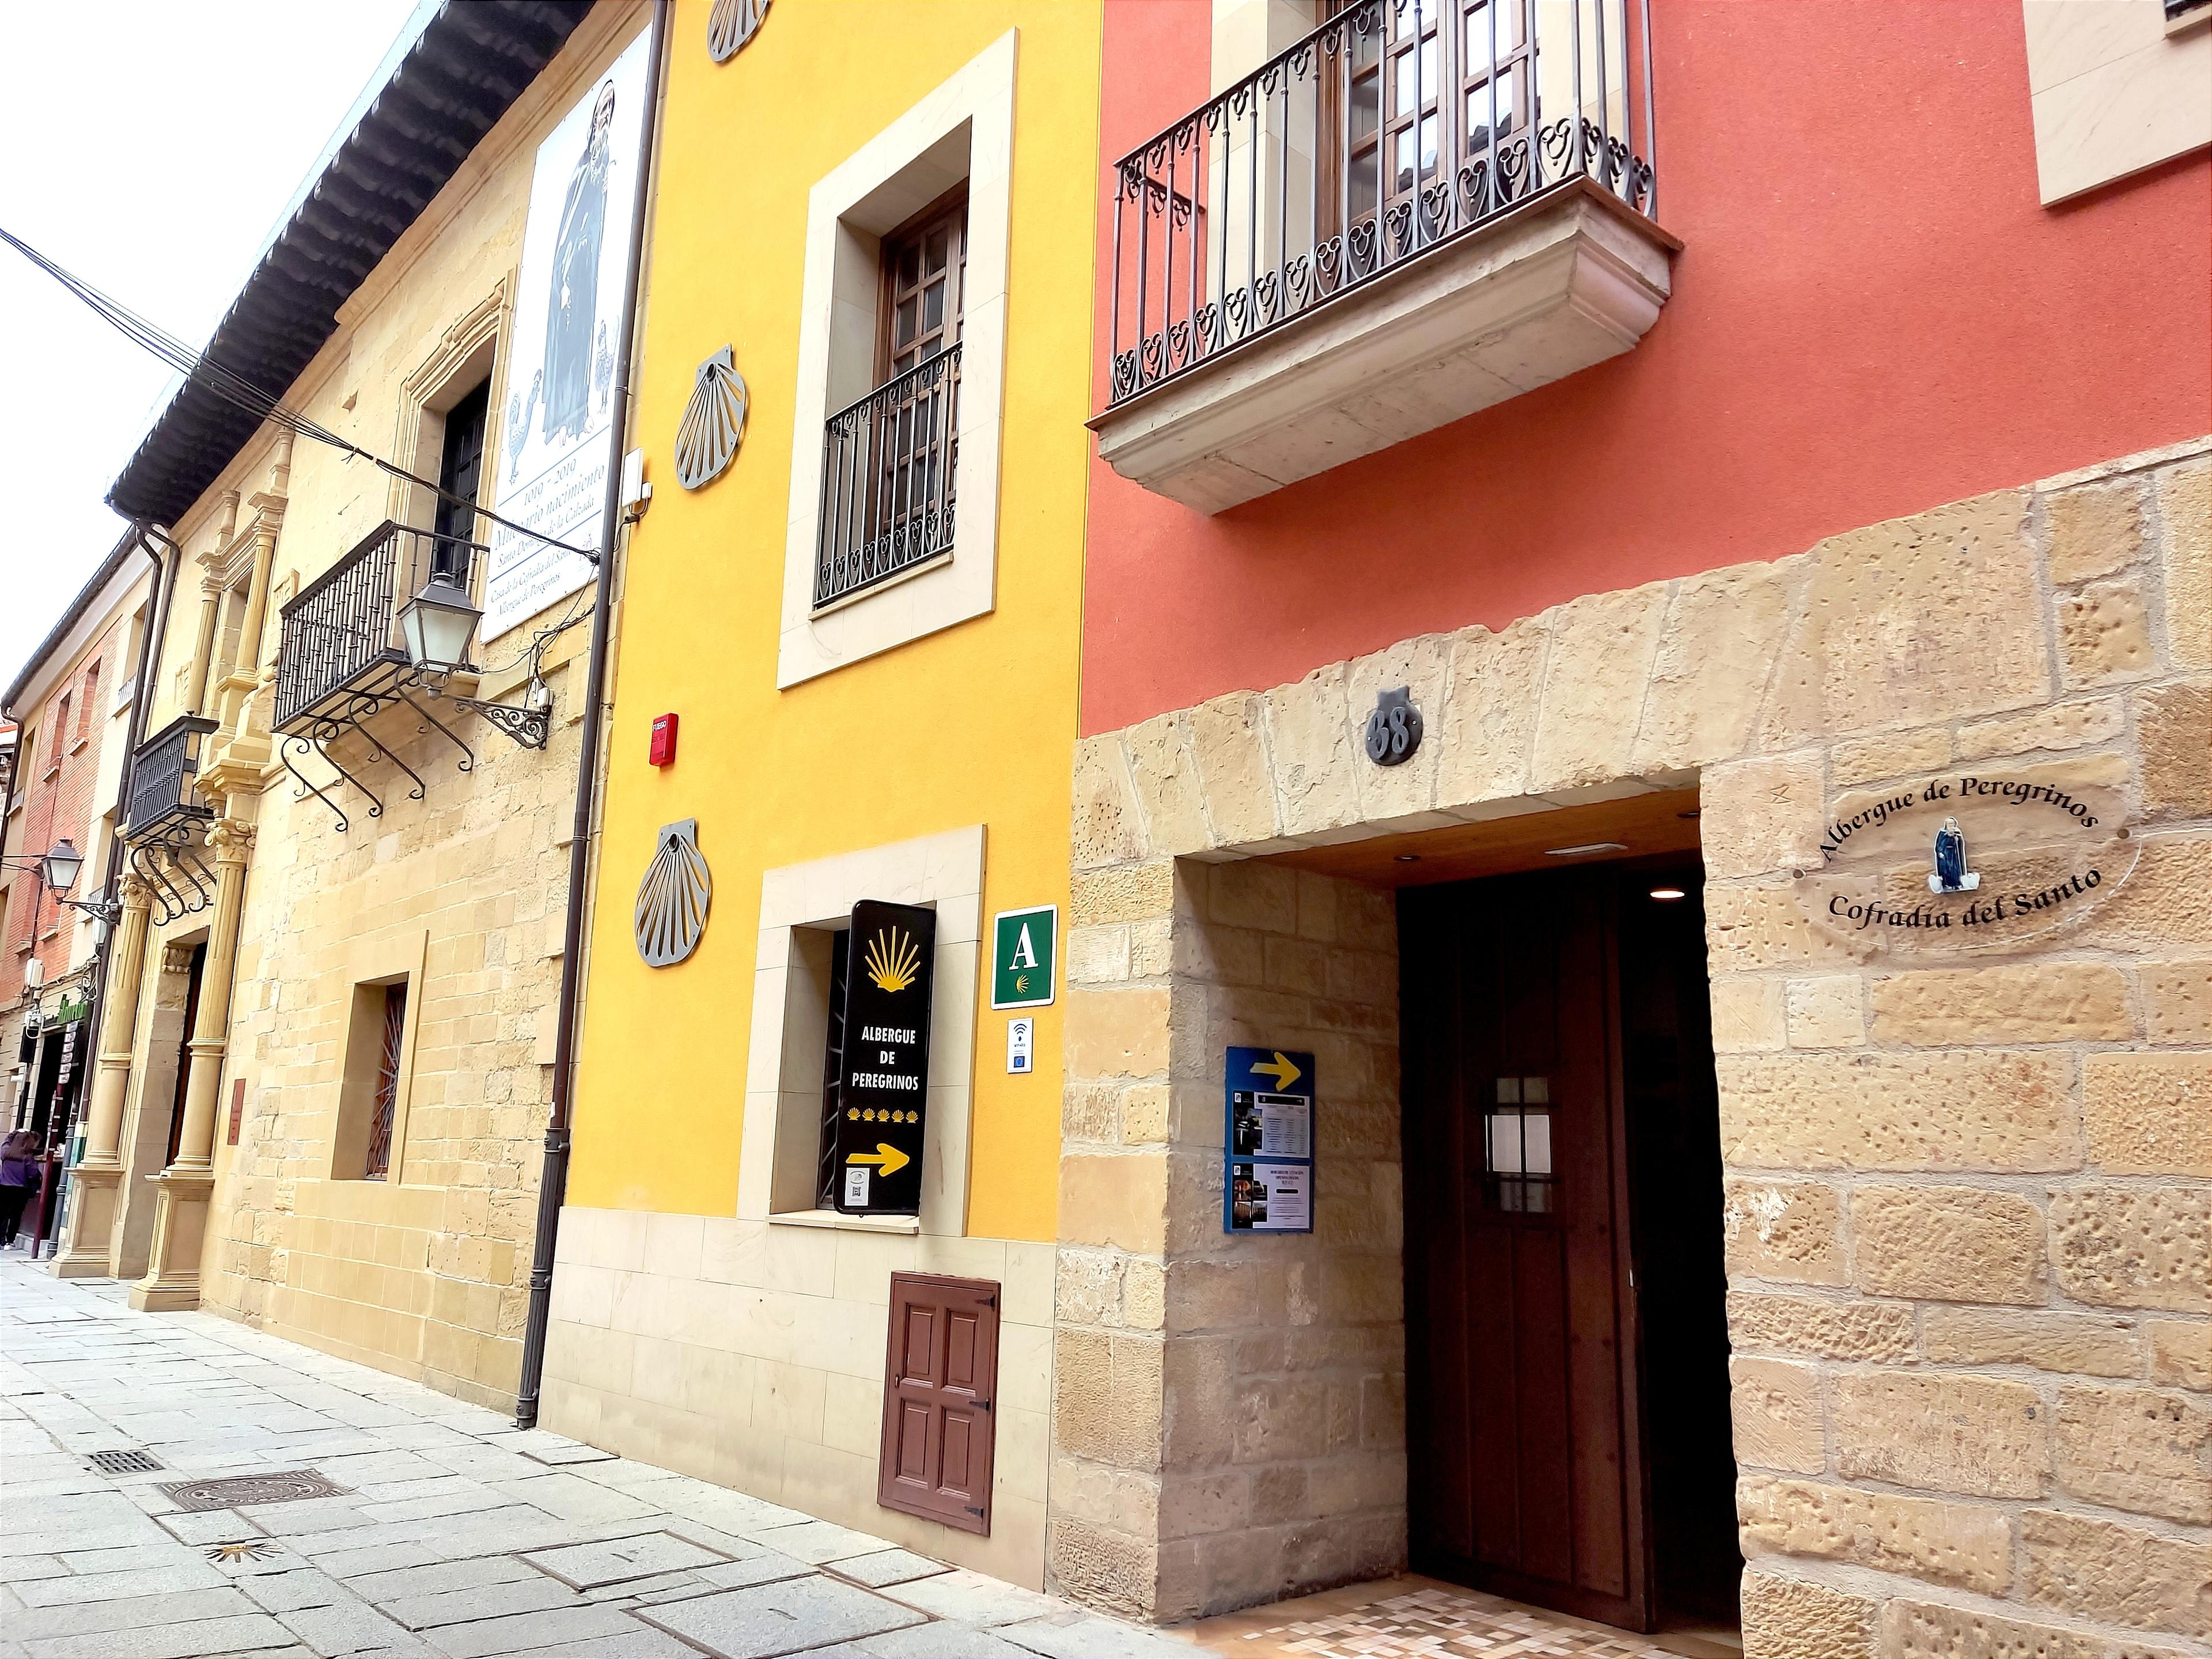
(887, 1155)
(1284, 1072)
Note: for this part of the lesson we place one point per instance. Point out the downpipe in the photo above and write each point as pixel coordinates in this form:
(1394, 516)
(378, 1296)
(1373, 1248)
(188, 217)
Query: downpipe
(553, 1182)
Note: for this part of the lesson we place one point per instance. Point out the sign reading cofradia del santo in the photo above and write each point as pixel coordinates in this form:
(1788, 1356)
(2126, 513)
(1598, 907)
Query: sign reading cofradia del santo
(883, 1093)
(1967, 860)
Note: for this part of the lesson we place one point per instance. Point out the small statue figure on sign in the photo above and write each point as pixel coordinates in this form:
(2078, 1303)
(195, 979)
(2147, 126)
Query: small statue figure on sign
(1951, 874)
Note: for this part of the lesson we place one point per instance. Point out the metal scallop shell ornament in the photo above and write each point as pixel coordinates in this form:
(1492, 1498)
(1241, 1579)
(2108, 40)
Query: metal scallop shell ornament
(714, 422)
(731, 26)
(672, 899)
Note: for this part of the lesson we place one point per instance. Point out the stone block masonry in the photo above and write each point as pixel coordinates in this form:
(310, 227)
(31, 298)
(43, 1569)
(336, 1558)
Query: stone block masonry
(1968, 1206)
(1230, 1411)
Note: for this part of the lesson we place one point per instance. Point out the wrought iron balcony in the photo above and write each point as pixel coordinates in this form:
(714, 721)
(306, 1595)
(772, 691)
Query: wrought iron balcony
(342, 639)
(163, 830)
(887, 479)
(164, 778)
(1396, 132)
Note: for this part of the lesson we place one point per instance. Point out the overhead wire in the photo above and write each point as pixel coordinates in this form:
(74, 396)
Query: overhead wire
(201, 369)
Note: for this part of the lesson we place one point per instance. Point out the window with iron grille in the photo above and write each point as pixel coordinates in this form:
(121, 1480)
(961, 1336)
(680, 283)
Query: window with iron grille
(376, 1164)
(889, 460)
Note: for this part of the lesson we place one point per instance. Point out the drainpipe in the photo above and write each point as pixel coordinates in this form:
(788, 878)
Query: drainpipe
(553, 1183)
(110, 860)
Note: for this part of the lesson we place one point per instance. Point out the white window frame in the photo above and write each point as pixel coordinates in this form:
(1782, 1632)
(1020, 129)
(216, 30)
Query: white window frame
(965, 128)
(783, 1068)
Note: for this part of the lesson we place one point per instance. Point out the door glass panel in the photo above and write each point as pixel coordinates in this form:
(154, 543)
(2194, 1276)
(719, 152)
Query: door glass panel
(1517, 1146)
(1478, 112)
(1402, 68)
(1478, 40)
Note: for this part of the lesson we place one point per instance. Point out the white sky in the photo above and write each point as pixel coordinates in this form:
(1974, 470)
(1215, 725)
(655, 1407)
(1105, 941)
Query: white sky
(150, 153)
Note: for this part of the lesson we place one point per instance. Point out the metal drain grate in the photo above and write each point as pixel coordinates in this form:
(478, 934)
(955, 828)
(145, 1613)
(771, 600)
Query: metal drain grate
(236, 1492)
(125, 1462)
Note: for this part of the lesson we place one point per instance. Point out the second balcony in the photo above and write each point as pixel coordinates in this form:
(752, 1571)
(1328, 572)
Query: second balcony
(1421, 209)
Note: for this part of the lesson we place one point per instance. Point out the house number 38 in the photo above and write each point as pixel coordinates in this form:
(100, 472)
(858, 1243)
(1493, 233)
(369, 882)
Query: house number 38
(1394, 730)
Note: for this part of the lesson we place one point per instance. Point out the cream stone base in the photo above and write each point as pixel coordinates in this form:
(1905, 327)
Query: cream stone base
(751, 1353)
(172, 1278)
(94, 1200)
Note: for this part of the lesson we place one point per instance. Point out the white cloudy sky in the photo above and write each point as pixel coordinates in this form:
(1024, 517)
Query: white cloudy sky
(151, 154)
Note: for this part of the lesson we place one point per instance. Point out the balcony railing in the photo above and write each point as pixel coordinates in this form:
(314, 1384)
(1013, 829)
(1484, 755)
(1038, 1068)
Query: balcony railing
(165, 777)
(343, 628)
(887, 478)
(1396, 126)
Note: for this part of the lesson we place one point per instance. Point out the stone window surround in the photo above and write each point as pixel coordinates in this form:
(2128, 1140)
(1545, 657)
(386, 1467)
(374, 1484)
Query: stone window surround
(2114, 87)
(466, 355)
(783, 1082)
(965, 128)
(381, 959)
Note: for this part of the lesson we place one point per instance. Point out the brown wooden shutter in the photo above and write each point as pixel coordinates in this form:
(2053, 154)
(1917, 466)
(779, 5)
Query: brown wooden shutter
(940, 1391)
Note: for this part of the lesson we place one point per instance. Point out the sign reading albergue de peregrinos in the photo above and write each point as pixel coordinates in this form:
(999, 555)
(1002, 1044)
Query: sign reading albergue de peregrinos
(1968, 859)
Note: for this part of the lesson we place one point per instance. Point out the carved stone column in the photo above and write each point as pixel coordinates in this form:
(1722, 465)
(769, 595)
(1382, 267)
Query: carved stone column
(172, 1276)
(98, 1177)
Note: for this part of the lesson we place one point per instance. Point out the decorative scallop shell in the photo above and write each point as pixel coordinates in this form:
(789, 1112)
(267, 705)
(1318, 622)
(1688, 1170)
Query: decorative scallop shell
(731, 26)
(672, 899)
(713, 423)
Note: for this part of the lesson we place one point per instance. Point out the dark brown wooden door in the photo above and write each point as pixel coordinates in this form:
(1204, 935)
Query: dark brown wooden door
(1520, 1373)
(940, 1389)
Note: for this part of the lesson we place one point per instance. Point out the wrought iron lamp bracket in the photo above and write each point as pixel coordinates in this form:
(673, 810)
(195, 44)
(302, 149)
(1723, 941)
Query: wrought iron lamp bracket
(530, 727)
(176, 877)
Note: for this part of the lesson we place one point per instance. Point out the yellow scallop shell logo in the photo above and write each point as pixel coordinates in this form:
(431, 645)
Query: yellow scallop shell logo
(891, 960)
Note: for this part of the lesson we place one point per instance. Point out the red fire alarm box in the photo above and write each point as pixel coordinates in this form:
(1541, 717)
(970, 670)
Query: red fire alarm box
(663, 749)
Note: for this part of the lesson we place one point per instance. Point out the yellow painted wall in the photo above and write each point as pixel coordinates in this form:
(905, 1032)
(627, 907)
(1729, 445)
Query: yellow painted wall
(974, 724)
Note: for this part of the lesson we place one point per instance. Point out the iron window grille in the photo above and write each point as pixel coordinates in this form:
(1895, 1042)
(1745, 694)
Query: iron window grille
(1396, 127)
(376, 1164)
(888, 467)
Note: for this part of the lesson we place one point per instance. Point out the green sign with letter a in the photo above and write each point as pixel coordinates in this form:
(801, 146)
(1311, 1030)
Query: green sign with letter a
(1024, 948)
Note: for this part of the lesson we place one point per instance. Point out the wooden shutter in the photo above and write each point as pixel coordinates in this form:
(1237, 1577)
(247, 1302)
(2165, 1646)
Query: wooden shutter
(940, 1392)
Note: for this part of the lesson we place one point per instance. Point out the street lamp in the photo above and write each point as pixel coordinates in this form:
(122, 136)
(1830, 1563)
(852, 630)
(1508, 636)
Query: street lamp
(437, 624)
(57, 866)
(59, 869)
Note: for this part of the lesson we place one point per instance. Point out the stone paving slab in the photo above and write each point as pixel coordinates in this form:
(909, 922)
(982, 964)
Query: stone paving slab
(882, 1567)
(455, 1536)
(588, 1566)
(782, 1618)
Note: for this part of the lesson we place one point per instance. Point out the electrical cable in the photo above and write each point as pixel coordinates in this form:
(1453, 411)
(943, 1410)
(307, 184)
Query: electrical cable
(237, 389)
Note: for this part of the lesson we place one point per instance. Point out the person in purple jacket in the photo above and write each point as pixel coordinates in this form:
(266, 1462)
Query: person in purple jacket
(19, 1179)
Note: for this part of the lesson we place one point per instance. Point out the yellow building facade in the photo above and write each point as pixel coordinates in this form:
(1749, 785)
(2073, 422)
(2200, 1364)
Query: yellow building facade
(325, 1068)
(865, 623)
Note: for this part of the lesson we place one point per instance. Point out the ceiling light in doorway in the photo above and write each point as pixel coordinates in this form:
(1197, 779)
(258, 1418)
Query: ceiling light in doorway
(1586, 849)
(1668, 893)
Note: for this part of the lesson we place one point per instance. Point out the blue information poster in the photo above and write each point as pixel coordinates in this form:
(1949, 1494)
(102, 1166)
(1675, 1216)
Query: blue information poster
(1267, 1127)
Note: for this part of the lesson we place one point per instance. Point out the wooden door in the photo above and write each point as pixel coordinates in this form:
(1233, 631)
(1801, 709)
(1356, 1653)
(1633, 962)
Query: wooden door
(940, 1389)
(1520, 1335)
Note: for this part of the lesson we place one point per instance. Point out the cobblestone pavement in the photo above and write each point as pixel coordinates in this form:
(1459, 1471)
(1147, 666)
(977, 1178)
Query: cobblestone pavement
(446, 1531)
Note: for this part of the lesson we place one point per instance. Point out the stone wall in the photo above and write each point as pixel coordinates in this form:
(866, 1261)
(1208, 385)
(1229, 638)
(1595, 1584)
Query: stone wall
(1969, 1213)
(752, 1352)
(426, 1275)
(1229, 1417)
